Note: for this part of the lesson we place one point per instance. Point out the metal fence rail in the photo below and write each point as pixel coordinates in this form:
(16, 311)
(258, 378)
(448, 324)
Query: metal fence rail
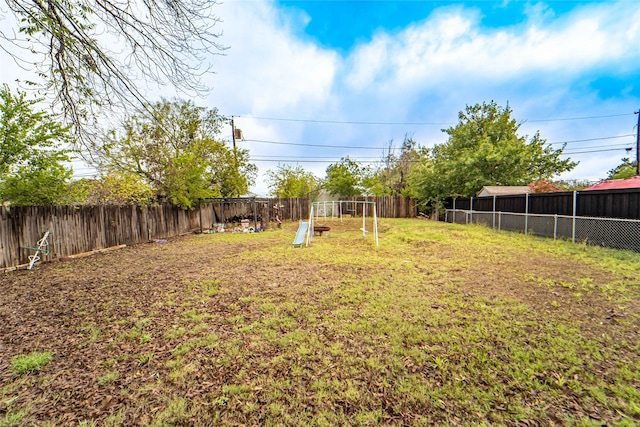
(616, 233)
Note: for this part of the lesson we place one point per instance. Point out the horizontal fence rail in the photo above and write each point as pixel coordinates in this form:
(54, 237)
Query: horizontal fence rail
(619, 233)
(80, 229)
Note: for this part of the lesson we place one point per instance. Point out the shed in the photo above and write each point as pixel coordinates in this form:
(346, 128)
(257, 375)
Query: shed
(504, 190)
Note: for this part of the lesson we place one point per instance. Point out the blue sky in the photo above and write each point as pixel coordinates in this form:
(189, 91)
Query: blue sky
(568, 69)
(414, 65)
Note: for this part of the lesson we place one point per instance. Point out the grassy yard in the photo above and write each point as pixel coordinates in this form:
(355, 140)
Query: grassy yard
(440, 325)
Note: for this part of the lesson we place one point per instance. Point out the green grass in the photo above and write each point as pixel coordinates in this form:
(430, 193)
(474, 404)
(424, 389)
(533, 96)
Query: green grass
(440, 325)
(12, 419)
(30, 363)
(109, 377)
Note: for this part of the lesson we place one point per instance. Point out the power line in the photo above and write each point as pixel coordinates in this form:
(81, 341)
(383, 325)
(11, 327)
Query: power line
(360, 147)
(350, 122)
(566, 119)
(310, 157)
(285, 159)
(341, 122)
(317, 145)
(592, 139)
(597, 151)
(295, 161)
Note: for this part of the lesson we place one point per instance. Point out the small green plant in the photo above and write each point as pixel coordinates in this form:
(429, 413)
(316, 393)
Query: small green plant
(115, 420)
(145, 358)
(176, 332)
(109, 377)
(176, 413)
(11, 418)
(211, 287)
(29, 363)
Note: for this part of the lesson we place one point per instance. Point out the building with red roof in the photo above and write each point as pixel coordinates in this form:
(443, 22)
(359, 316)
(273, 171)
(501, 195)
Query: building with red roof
(616, 184)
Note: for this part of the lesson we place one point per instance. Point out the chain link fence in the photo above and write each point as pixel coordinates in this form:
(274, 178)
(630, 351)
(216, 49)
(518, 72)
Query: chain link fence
(616, 233)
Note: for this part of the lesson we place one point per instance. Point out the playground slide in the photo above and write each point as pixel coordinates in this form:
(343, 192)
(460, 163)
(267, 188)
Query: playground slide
(300, 235)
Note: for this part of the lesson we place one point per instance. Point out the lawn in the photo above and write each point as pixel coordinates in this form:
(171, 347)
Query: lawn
(439, 325)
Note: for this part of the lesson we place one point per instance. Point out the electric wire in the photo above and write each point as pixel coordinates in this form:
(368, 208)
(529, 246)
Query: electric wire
(362, 160)
(350, 122)
(360, 147)
(343, 122)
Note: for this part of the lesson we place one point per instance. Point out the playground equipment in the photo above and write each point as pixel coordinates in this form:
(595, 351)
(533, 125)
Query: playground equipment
(319, 209)
(300, 235)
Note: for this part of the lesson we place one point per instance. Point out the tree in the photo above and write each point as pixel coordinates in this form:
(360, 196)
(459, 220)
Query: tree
(164, 41)
(172, 146)
(400, 174)
(572, 184)
(116, 188)
(625, 170)
(288, 181)
(485, 149)
(346, 178)
(32, 164)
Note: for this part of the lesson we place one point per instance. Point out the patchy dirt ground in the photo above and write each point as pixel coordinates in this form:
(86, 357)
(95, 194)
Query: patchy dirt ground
(432, 327)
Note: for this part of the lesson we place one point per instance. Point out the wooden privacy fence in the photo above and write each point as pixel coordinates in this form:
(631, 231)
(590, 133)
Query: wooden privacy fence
(259, 209)
(79, 229)
(390, 206)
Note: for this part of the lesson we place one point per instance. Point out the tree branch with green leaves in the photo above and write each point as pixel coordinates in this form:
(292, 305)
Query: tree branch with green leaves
(175, 147)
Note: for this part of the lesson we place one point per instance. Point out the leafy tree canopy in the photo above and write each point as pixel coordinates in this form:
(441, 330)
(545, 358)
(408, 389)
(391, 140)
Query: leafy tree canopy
(32, 162)
(291, 181)
(624, 170)
(174, 147)
(346, 178)
(484, 149)
(116, 188)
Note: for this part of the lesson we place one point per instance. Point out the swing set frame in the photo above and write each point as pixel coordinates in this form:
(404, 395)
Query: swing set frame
(319, 209)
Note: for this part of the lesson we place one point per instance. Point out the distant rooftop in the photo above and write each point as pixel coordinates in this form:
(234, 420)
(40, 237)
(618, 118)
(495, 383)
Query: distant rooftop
(616, 184)
(504, 190)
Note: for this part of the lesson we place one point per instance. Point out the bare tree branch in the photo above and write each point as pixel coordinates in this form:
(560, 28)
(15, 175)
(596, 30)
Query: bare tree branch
(93, 55)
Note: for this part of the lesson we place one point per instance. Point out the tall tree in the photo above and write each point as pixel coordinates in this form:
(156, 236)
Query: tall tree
(91, 54)
(291, 181)
(32, 162)
(399, 173)
(174, 146)
(346, 178)
(484, 149)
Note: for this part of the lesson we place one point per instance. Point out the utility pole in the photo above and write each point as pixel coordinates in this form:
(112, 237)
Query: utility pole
(235, 151)
(233, 134)
(638, 145)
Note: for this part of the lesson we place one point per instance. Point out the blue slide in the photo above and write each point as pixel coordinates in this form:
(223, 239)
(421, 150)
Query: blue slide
(300, 235)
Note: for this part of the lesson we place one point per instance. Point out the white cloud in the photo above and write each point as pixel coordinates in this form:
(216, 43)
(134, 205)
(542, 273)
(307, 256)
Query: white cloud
(452, 44)
(267, 69)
